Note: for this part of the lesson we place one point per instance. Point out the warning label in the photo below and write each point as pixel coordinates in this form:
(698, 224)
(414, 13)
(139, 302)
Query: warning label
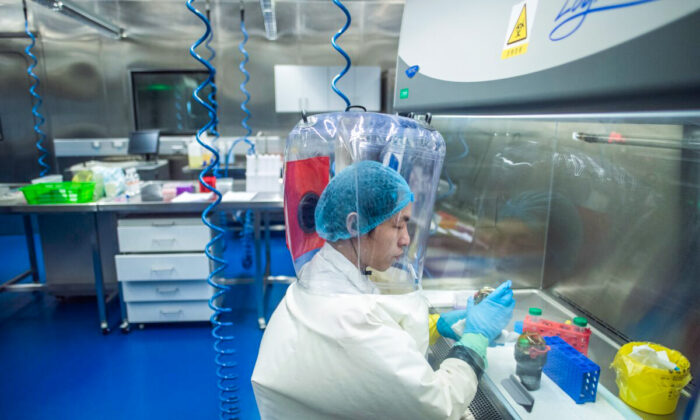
(522, 17)
(520, 30)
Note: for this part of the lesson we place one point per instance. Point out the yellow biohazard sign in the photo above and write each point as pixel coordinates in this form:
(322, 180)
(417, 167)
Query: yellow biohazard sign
(520, 30)
(522, 17)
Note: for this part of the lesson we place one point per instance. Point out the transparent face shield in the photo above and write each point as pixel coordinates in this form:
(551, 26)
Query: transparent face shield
(359, 195)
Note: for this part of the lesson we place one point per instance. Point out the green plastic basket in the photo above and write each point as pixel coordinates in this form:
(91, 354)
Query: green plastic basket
(58, 192)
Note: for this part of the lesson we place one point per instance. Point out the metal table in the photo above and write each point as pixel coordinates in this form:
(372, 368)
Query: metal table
(27, 211)
(261, 204)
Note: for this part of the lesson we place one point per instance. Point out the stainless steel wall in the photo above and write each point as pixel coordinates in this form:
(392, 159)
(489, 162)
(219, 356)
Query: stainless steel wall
(612, 228)
(85, 76)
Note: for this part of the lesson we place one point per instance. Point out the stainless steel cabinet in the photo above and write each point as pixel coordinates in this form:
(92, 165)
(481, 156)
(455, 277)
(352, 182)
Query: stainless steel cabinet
(308, 88)
(161, 276)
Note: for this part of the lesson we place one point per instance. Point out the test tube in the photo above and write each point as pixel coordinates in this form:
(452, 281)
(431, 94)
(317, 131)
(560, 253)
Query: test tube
(535, 314)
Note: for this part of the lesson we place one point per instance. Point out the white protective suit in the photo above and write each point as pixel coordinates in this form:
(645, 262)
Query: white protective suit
(352, 355)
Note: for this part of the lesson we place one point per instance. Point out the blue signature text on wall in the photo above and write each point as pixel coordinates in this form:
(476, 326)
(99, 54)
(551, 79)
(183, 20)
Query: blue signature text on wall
(574, 12)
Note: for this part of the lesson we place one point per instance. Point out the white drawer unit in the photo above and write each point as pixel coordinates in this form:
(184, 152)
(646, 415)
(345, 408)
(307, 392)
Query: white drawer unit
(162, 270)
(147, 291)
(150, 267)
(168, 311)
(162, 235)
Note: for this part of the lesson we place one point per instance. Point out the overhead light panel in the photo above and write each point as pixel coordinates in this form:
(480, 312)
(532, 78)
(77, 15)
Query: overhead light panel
(76, 12)
(269, 18)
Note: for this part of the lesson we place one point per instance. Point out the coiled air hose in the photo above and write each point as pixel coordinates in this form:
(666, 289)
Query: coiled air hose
(38, 118)
(225, 354)
(342, 52)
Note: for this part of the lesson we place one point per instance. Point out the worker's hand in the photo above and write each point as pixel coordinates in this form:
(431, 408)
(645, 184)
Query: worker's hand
(451, 324)
(492, 314)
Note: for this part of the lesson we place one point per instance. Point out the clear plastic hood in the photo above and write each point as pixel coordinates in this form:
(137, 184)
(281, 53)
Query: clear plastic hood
(364, 184)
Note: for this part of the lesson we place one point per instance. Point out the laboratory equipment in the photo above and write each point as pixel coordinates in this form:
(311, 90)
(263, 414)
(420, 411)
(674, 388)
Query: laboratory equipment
(247, 233)
(151, 191)
(38, 117)
(147, 170)
(132, 182)
(214, 112)
(81, 15)
(225, 354)
(518, 392)
(342, 52)
(577, 335)
(495, 74)
(482, 293)
(144, 142)
(530, 356)
(535, 314)
(246, 79)
(263, 173)
(58, 192)
(573, 372)
(207, 183)
(197, 156)
(162, 100)
(648, 388)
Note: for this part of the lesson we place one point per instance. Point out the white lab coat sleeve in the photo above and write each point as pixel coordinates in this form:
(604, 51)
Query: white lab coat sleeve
(402, 378)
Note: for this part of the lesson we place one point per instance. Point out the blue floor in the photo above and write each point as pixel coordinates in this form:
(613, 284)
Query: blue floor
(55, 362)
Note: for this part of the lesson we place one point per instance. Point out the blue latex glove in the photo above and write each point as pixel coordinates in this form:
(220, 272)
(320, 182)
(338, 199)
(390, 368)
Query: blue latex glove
(492, 314)
(448, 320)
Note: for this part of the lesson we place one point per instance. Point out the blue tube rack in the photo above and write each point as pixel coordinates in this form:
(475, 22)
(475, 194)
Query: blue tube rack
(573, 372)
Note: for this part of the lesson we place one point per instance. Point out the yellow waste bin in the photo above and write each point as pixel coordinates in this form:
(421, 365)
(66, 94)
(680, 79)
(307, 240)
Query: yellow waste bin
(647, 388)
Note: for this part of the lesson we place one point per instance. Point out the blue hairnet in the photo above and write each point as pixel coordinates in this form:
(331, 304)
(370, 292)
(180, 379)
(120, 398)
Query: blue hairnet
(382, 193)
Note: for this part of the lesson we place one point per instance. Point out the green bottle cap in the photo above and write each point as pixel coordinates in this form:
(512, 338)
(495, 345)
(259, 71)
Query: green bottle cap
(580, 321)
(523, 341)
(535, 311)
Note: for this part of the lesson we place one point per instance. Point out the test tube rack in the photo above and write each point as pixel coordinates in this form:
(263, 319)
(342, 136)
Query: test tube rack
(573, 372)
(569, 333)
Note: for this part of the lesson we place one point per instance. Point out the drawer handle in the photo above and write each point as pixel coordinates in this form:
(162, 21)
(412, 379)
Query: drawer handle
(162, 269)
(171, 313)
(162, 224)
(169, 291)
(158, 240)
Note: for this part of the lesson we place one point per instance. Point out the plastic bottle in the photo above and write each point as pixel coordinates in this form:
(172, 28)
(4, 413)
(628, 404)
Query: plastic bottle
(580, 324)
(194, 154)
(482, 293)
(530, 356)
(535, 314)
(132, 182)
(198, 156)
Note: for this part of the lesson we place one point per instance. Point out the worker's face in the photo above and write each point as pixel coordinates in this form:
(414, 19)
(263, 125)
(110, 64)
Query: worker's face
(385, 245)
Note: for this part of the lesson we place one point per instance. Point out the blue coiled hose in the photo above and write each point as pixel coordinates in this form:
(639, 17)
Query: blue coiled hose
(244, 104)
(212, 98)
(38, 118)
(342, 52)
(248, 229)
(224, 359)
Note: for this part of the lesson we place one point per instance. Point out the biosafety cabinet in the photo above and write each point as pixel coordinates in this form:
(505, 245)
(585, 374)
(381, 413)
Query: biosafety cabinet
(573, 160)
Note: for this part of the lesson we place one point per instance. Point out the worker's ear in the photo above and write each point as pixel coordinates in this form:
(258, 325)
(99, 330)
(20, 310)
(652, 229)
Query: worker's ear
(351, 224)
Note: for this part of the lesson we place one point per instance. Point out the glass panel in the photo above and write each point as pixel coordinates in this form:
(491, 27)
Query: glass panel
(602, 212)
(491, 210)
(163, 101)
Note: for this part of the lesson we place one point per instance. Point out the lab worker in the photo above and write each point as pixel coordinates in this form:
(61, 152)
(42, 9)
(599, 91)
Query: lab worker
(345, 342)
